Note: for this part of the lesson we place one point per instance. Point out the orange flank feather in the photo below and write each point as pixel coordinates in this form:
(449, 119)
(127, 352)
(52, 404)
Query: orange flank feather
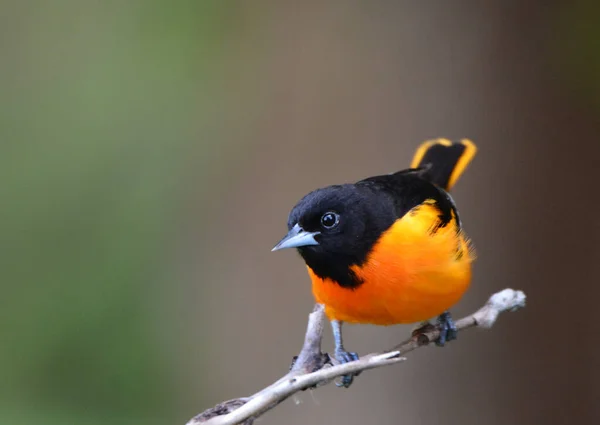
(415, 271)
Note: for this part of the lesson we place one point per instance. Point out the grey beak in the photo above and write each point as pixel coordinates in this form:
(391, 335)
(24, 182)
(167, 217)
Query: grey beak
(297, 237)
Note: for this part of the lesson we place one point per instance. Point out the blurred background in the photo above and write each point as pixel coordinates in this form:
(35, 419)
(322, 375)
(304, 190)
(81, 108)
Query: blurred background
(150, 154)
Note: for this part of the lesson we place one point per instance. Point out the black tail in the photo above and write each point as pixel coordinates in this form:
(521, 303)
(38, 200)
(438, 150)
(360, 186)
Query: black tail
(444, 161)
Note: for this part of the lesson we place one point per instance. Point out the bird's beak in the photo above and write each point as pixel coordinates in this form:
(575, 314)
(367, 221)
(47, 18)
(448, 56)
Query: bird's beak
(297, 237)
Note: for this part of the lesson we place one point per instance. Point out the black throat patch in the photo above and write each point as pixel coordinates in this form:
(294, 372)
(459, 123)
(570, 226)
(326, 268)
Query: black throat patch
(337, 269)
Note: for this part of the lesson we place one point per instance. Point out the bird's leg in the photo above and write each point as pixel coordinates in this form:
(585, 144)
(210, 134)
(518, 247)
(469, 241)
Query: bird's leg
(341, 354)
(448, 330)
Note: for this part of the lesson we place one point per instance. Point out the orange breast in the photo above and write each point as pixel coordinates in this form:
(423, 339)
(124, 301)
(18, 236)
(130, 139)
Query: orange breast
(411, 274)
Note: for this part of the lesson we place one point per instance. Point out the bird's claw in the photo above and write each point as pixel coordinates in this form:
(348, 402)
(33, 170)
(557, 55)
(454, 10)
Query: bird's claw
(343, 356)
(447, 327)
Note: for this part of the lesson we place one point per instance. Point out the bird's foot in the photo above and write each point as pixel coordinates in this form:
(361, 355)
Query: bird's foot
(448, 330)
(344, 356)
(445, 325)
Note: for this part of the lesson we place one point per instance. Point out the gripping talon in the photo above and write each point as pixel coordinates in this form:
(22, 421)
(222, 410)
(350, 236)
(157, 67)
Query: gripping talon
(448, 330)
(343, 356)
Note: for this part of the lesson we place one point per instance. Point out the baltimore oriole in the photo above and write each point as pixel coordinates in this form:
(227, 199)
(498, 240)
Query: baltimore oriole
(388, 249)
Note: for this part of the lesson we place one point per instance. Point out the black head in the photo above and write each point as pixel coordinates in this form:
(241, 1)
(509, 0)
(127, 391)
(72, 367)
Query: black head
(335, 227)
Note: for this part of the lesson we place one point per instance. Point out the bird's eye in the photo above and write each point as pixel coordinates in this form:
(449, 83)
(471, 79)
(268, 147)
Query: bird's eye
(329, 220)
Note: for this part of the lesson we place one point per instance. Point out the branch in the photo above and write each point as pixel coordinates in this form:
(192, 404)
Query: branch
(313, 368)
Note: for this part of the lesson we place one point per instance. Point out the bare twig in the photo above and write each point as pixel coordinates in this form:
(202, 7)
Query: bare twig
(314, 368)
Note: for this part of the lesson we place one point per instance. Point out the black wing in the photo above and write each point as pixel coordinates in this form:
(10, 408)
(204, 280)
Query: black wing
(408, 189)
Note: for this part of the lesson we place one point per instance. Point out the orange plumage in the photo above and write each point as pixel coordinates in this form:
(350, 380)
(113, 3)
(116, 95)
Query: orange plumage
(410, 274)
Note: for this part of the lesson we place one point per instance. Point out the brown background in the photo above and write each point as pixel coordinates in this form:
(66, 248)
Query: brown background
(344, 91)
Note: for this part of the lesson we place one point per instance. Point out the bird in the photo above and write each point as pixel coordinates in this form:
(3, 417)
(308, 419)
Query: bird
(388, 249)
